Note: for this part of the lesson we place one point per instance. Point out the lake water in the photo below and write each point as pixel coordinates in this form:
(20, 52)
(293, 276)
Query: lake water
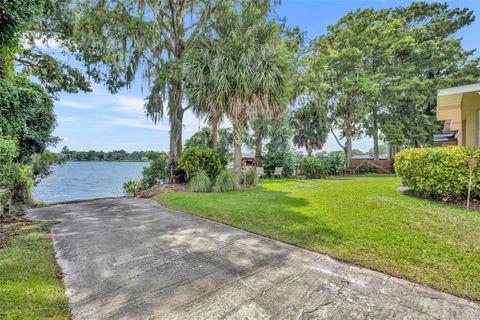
(86, 180)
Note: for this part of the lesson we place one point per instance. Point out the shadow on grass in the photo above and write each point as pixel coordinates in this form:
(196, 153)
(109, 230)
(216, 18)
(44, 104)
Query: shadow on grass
(287, 216)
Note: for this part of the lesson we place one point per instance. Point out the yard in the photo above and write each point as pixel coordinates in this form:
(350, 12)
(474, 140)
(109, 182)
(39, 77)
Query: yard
(362, 220)
(30, 285)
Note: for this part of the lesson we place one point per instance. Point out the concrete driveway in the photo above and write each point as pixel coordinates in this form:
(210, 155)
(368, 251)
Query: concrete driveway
(133, 259)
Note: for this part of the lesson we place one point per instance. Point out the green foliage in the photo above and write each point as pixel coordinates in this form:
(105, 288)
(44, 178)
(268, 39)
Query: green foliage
(200, 139)
(241, 67)
(15, 16)
(16, 181)
(366, 170)
(131, 187)
(155, 172)
(200, 182)
(249, 177)
(177, 174)
(279, 152)
(310, 126)
(226, 181)
(203, 139)
(8, 150)
(195, 159)
(334, 159)
(438, 172)
(312, 168)
(27, 115)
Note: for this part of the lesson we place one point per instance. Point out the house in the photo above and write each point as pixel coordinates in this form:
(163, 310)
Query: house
(459, 107)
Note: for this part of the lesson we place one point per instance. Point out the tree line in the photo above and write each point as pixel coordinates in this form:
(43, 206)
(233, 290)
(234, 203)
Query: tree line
(116, 155)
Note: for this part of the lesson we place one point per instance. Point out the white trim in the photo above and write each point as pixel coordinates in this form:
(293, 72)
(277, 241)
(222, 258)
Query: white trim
(463, 89)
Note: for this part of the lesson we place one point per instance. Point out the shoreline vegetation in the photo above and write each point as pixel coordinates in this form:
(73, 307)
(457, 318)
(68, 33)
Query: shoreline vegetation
(107, 156)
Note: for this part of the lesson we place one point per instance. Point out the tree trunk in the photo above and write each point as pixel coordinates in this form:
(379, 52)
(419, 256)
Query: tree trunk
(376, 151)
(258, 149)
(348, 148)
(214, 129)
(237, 142)
(175, 112)
(309, 148)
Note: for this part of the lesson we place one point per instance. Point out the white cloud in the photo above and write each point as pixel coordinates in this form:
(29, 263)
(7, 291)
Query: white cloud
(138, 123)
(129, 104)
(73, 104)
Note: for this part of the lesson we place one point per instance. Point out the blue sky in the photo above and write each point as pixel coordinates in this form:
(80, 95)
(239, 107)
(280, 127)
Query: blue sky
(101, 121)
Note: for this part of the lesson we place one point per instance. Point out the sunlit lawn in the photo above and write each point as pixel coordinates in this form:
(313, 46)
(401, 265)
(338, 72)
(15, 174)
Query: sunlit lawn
(363, 220)
(29, 284)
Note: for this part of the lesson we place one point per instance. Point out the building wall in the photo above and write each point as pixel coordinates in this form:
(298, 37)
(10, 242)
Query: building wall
(470, 108)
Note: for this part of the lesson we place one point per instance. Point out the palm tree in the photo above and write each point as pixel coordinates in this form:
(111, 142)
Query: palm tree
(241, 68)
(310, 126)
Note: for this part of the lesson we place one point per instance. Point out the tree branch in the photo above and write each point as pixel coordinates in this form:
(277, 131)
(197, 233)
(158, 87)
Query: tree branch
(338, 141)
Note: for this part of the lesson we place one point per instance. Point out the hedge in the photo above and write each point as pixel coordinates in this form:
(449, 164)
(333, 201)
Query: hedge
(439, 171)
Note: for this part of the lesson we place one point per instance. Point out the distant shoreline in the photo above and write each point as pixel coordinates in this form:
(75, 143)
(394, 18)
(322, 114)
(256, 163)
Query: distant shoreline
(107, 161)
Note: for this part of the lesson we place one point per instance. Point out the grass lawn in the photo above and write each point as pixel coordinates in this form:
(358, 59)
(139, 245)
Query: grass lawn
(363, 220)
(30, 287)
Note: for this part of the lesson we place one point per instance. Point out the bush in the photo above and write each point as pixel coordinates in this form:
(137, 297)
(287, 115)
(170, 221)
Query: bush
(178, 174)
(313, 168)
(195, 159)
(335, 160)
(132, 187)
(200, 182)
(154, 173)
(439, 171)
(16, 181)
(366, 170)
(249, 177)
(226, 181)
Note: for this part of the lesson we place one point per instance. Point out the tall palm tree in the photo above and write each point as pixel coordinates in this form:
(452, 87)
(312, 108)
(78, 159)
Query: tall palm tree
(241, 67)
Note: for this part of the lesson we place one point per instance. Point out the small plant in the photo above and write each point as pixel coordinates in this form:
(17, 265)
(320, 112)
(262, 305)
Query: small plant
(226, 181)
(132, 187)
(249, 177)
(313, 168)
(200, 182)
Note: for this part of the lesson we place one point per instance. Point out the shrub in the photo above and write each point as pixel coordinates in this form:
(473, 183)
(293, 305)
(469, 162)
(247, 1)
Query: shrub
(16, 180)
(154, 173)
(178, 174)
(439, 171)
(131, 187)
(249, 177)
(226, 181)
(335, 160)
(200, 182)
(195, 159)
(366, 170)
(313, 168)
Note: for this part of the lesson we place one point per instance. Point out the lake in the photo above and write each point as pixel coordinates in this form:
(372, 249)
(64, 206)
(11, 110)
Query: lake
(79, 180)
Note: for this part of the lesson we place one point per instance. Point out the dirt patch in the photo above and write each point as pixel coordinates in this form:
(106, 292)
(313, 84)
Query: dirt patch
(163, 188)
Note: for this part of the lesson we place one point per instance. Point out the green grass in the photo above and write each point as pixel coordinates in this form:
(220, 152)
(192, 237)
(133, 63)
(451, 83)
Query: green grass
(363, 220)
(29, 284)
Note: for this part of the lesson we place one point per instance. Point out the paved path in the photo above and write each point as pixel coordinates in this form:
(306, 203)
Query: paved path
(133, 259)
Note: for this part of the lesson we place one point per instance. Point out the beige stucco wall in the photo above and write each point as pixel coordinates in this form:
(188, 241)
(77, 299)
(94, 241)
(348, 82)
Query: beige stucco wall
(470, 107)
